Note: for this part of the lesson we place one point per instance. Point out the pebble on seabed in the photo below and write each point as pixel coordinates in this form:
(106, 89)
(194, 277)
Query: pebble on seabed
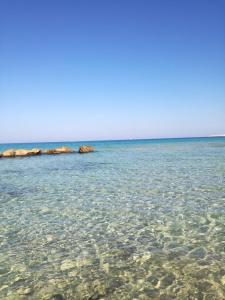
(223, 280)
(67, 265)
(57, 297)
(24, 291)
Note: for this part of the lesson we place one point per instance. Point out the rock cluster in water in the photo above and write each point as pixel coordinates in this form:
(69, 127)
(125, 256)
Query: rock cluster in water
(86, 149)
(32, 152)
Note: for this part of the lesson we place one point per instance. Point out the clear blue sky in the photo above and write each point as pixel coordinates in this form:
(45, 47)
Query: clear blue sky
(89, 69)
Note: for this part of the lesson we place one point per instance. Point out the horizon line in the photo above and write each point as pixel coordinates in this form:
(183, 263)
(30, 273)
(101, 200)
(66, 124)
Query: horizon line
(114, 140)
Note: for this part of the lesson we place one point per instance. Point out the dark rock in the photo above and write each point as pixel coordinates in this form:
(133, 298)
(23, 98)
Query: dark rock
(167, 280)
(198, 253)
(57, 297)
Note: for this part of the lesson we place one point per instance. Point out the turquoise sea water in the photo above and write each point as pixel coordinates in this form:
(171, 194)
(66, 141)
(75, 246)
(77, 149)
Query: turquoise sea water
(138, 219)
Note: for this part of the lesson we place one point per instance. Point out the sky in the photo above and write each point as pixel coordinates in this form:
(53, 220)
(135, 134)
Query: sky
(100, 70)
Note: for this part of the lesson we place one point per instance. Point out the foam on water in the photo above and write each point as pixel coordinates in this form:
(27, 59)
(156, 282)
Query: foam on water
(134, 220)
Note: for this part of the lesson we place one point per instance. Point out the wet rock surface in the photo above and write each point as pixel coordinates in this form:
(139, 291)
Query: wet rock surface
(86, 149)
(22, 152)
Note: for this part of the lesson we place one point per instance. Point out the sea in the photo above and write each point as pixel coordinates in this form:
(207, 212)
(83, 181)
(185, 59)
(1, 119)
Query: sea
(137, 219)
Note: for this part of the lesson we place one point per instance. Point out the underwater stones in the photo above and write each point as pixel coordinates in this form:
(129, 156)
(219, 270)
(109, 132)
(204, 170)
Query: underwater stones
(152, 279)
(4, 271)
(168, 297)
(57, 297)
(45, 210)
(223, 280)
(84, 261)
(167, 280)
(21, 268)
(143, 258)
(198, 253)
(151, 293)
(8, 153)
(203, 286)
(24, 291)
(72, 273)
(105, 267)
(86, 149)
(67, 265)
(19, 278)
(114, 284)
(49, 238)
(4, 287)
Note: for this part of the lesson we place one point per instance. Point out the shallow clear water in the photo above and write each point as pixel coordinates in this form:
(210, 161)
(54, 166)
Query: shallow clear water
(134, 220)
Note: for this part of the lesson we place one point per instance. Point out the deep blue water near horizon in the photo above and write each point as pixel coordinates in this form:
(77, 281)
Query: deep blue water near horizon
(76, 144)
(137, 219)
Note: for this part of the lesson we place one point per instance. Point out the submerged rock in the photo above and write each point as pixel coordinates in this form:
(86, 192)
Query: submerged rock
(8, 153)
(198, 253)
(86, 149)
(67, 265)
(223, 280)
(167, 280)
(24, 291)
(57, 297)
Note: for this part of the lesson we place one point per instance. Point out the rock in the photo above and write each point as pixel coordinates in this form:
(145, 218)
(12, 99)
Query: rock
(22, 152)
(223, 280)
(8, 153)
(49, 238)
(49, 151)
(4, 271)
(58, 150)
(72, 273)
(64, 150)
(86, 149)
(36, 151)
(24, 291)
(57, 297)
(198, 253)
(5, 286)
(18, 268)
(67, 265)
(167, 280)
